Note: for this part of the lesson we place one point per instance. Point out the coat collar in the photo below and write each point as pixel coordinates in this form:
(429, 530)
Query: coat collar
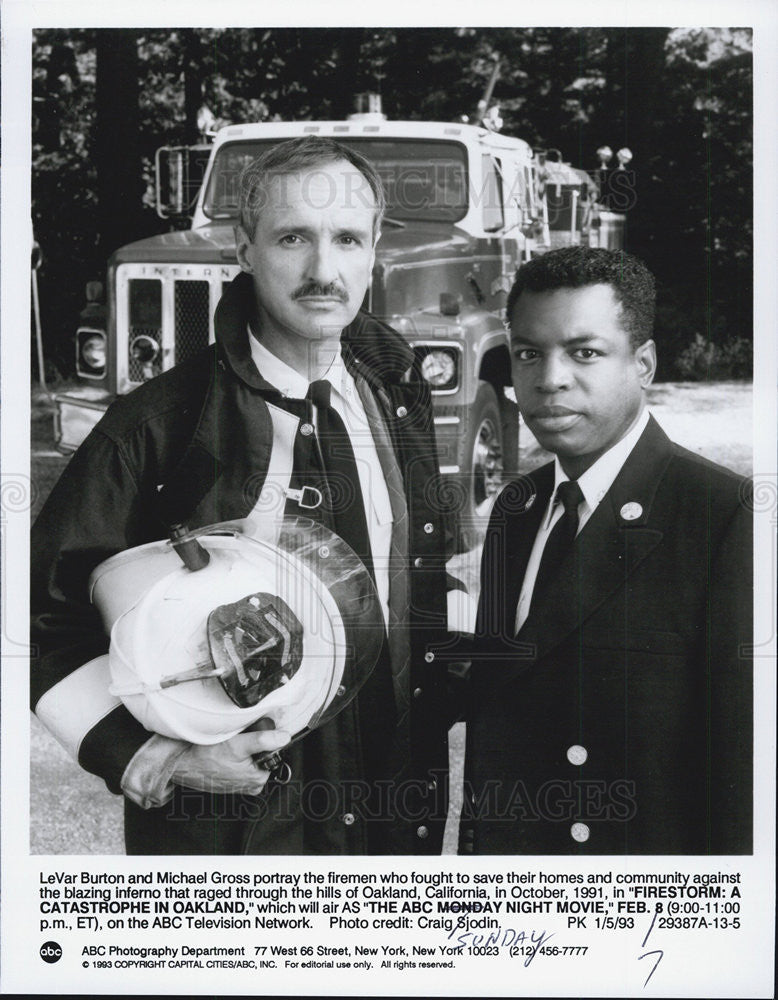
(375, 349)
(615, 540)
(234, 410)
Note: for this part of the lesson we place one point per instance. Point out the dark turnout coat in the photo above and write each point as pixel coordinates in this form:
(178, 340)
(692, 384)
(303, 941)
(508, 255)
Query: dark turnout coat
(193, 446)
(619, 720)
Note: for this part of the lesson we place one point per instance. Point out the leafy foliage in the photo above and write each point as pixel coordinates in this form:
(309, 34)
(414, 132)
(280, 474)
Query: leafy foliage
(704, 361)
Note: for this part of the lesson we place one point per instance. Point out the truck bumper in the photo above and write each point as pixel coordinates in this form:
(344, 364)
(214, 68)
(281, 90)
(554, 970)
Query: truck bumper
(77, 412)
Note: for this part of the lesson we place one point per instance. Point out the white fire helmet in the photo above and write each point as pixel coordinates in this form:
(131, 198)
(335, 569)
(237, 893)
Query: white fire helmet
(215, 630)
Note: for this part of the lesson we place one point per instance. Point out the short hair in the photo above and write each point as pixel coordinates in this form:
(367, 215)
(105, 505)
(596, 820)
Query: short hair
(294, 156)
(577, 267)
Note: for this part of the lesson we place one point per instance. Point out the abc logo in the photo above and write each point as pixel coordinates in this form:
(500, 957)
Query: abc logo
(51, 952)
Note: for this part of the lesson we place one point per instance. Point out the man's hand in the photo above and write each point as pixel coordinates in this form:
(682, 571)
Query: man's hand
(228, 767)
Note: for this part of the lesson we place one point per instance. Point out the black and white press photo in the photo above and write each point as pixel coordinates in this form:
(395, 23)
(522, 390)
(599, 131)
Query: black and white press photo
(389, 501)
(434, 222)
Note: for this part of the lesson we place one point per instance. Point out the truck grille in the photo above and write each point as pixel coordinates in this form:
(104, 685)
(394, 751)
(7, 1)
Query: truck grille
(170, 308)
(193, 321)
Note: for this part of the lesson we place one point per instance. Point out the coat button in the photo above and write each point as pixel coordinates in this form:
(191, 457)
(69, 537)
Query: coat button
(402, 411)
(417, 692)
(422, 832)
(432, 784)
(418, 562)
(429, 528)
(306, 430)
(429, 657)
(577, 754)
(348, 819)
(579, 832)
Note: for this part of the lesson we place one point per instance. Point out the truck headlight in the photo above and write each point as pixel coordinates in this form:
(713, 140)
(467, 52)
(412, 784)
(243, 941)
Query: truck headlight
(144, 349)
(90, 355)
(439, 366)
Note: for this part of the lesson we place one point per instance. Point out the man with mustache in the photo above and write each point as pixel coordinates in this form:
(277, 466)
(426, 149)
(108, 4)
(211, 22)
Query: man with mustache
(612, 691)
(293, 349)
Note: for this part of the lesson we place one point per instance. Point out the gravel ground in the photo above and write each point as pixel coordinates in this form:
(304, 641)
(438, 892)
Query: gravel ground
(72, 813)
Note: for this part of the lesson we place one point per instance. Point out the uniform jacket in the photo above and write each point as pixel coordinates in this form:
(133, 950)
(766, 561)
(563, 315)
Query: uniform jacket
(193, 446)
(619, 720)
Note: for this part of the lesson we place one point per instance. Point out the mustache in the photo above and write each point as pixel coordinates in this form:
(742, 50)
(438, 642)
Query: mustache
(332, 290)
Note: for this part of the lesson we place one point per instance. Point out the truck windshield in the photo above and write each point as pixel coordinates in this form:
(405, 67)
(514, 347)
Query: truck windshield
(425, 180)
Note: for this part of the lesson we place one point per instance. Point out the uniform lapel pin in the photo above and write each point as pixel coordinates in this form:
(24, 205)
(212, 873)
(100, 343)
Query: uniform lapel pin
(631, 511)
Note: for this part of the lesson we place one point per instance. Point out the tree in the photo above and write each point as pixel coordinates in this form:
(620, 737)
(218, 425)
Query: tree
(64, 197)
(681, 100)
(117, 127)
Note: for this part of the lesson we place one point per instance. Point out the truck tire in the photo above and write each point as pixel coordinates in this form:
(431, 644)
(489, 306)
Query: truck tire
(486, 444)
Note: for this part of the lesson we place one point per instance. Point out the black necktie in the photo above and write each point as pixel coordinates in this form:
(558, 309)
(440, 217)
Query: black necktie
(334, 473)
(340, 485)
(562, 535)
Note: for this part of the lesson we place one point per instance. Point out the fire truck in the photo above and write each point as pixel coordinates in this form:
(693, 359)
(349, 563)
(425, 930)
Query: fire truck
(466, 205)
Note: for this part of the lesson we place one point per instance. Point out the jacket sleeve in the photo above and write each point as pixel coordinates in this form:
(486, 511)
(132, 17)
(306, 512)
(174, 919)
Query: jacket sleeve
(730, 689)
(92, 512)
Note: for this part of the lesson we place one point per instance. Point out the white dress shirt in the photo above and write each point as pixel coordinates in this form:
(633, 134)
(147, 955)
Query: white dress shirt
(594, 483)
(347, 404)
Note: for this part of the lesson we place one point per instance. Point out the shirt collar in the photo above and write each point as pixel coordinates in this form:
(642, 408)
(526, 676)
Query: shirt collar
(599, 477)
(284, 378)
